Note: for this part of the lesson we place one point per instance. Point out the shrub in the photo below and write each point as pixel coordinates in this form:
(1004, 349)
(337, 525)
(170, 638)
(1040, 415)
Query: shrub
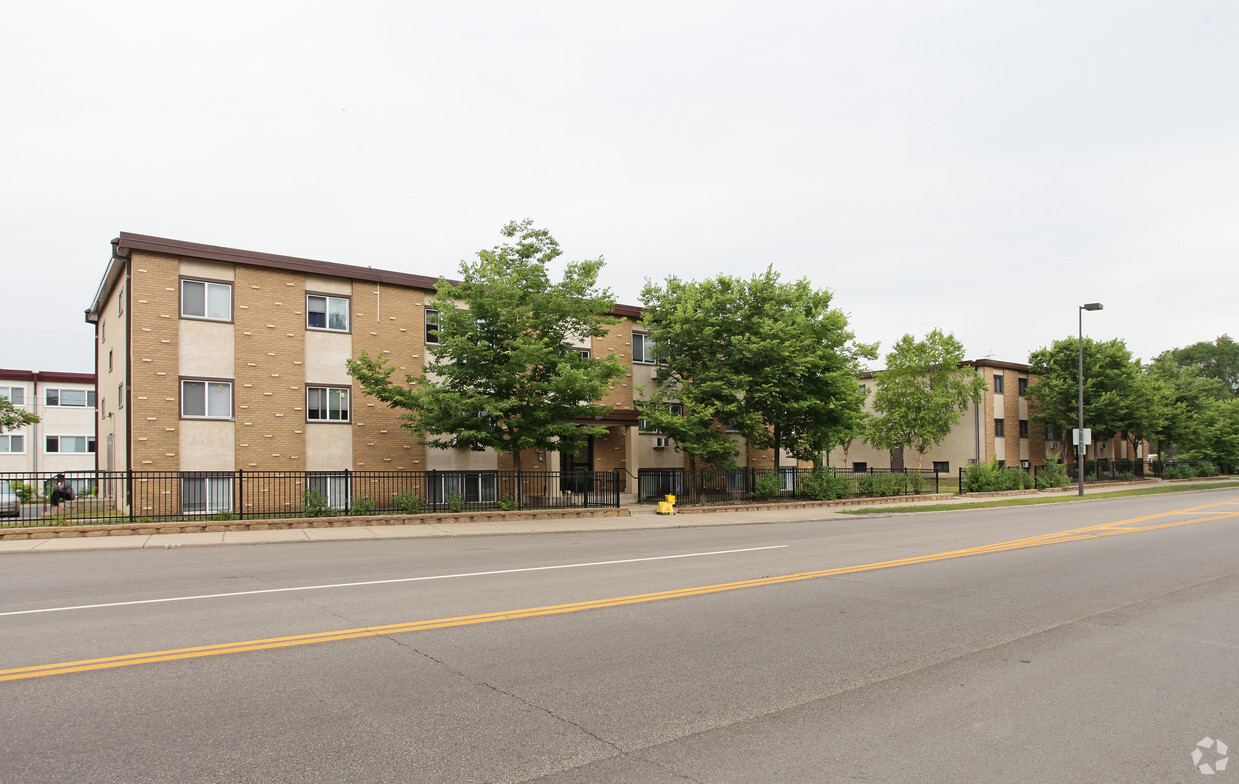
(825, 484)
(915, 483)
(991, 477)
(1206, 468)
(314, 504)
(455, 503)
(224, 516)
(409, 503)
(361, 506)
(767, 486)
(25, 492)
(507, 503)
(880, 484)
(1054, 474)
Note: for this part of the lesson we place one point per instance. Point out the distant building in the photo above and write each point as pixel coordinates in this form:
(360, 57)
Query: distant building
(64, 439)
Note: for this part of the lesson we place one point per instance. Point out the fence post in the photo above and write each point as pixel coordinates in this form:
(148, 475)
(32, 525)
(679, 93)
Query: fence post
(431, 476)
(348, 490)
(519, 484)
(617, 487)
(240, 494)
(129, 491)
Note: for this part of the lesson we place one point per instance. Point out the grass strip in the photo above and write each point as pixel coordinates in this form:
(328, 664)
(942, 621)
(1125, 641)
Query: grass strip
(1033, 501)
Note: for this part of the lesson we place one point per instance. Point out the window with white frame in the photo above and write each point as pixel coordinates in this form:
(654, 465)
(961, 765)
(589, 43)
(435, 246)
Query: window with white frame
(326, 404)
(432, 325)
(642, 348)
(15, 395)
(69, 398)
(120, 395)
(203, 299)
(470, 487)
(12, 444)
(332, 487)
(206, 494)
(323, 312)
(206, 399)
(83, 445)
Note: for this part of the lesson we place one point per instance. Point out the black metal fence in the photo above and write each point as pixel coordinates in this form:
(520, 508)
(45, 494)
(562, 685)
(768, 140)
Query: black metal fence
(740, 484)
(137, 496)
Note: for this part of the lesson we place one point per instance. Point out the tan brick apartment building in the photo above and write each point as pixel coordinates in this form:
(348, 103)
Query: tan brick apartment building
(218, 359)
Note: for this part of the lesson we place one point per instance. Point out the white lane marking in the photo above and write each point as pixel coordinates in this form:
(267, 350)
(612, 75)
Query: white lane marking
(388, 582)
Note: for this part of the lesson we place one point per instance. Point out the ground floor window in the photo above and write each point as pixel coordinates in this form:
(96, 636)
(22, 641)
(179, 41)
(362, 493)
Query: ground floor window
(469, 487)
(206, 494)
(333, 488)
(942, 466)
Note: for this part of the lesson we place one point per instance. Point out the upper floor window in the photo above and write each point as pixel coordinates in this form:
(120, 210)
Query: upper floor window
(204, 300)
(206, 399)
(676, 409)
(1051, 433)
(432, 325)
(642, 348)
(1023, 428)
(327, 404)
(1023, 387)
(69, 398)
(1000, 428)
(997, 383)
(12, 444)
(15, 395)
(583, 353)
(323, 312)
(120, 302)
(79, 444)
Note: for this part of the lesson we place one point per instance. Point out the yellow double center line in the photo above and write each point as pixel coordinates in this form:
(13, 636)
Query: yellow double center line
(1193, 515)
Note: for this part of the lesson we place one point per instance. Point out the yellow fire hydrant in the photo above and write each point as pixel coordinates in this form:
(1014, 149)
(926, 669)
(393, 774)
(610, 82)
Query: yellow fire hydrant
(667, 506)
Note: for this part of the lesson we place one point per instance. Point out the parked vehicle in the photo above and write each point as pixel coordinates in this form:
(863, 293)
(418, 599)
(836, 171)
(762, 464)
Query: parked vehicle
(10, 504)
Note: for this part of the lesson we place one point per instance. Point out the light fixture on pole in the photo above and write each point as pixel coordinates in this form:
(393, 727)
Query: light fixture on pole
(1079, 439)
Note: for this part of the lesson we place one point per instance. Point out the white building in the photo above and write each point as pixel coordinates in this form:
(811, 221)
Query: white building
(64, 439)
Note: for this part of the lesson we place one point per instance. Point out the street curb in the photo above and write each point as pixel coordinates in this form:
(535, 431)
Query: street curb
(216, 526)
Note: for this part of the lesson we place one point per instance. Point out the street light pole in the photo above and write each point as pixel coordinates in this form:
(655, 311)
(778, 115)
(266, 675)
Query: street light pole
(1080, 437)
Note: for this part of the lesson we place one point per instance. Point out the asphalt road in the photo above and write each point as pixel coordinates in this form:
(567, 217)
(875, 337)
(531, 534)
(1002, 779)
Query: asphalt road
(760, 653)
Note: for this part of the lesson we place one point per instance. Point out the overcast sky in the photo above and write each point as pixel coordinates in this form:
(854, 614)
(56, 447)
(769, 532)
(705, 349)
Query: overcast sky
(981, 167)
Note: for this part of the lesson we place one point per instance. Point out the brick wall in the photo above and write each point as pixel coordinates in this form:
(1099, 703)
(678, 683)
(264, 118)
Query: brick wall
(155, 313)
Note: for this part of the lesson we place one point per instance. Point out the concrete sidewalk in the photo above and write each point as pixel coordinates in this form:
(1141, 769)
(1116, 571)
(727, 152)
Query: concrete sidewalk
(631, 518)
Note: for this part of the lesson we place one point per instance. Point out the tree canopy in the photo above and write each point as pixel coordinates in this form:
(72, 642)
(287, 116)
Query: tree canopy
(1218, 360)
(506, 373)
(1114, 398)
(768, 358)
(922, 393)
(12, 417)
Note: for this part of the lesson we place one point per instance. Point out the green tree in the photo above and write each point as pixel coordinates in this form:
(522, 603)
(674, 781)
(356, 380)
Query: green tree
(12, 417)
(1219, 360)
(1114, 398)
(769, 358)
(505, 374)
(922, 393)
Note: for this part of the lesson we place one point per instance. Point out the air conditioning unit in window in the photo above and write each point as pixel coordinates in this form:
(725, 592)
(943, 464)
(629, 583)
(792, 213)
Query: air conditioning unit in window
(661, 442)
(654, 373)
(1052, 445)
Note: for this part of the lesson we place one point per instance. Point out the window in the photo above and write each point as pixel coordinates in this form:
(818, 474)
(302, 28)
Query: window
(206, 399)
(1000, 428)
(1026, 464)
(942, 466)
(71, 444)
(15, 395)
(432, 326)
(1023, 428)
(120, 395)
(860, 467)
(1002, 463)
(643, 425)
(997, 383)
(642, 348)
(326, 313)
(1023, 386)
(206, 494)
(1051, 433)
(69, 398)
(583, 353)
(109, 360)
(470, 487)
(12, 444)
(203, 300)
(326, 404)
(334, 488)
(120, 302)
(103, 407)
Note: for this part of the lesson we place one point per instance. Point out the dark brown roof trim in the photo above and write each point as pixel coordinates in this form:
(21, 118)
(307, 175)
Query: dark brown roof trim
(47, 375)
(972, 363)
